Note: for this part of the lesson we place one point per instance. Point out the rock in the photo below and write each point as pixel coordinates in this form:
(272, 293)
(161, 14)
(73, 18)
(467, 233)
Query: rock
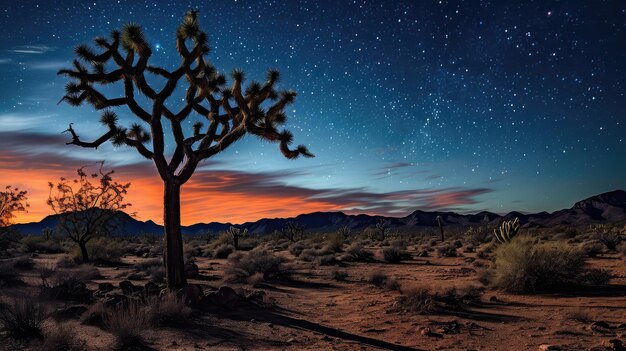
(129, 288)
(113, 300)
(601, 324)
(546, 347)
(72, 311)
(224, 297)
(191, 295)
(191, 270)
(425, 331)
(105, 287)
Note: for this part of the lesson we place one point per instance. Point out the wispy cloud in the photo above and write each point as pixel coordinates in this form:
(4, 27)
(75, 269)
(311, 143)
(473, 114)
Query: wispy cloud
(31, 49)
(5, 61)
(213, 193)
(48, 65)
(23, 122)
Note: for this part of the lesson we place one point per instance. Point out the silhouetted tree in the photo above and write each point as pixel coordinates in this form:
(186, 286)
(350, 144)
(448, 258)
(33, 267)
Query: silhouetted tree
(88, 209)
(440, 223)
(292, 232)
(12, 201)
(257, 110)
(383, 227)
(236, 234)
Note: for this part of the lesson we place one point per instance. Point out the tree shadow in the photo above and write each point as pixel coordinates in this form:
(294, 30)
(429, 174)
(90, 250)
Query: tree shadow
(279, 318)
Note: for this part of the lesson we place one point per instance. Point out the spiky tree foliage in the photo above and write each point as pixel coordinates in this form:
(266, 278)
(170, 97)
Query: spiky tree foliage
(230, 112)
(293, 232)
(506, 231)
(236, 234)
(440, 223)
(344, 231)
(12, 201)
(383, 228)
(88, 206)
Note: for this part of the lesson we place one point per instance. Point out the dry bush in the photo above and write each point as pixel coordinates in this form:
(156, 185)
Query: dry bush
(328, 260)
(592, 249)
(242, 266)
(23, 318)
(296, 249)
(580, 315)
(524, 266)
(62, 338)
(8, 275)
(339, 275)
(447, 250)
(103, 250)
(334, 242)
(395, 254)
(609, 237)
(127, 324)
(223, 251)
(40, 244)
(356, 253)
(66, 261)
(94, 315)
(595, 276)
(169, 310)
(417, 300)
(382, 280)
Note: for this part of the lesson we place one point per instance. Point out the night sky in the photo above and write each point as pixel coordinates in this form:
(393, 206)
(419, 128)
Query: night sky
(450, 105)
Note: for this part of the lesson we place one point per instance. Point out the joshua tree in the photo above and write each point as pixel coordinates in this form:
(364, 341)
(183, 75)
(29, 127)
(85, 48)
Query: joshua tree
(236, 234)
(12, 200)
(344, 231)
(293, 232)
(258, 110)
(440, 223)
(88, 209)
(383, 227)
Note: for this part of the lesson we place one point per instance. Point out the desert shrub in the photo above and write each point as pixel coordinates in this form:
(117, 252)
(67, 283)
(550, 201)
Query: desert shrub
(357, 253)
(339, 275)
(23, 263)
(592, 249)
(127, 324)
(382, 280)
(457, 243)
(23, 318)
(469, 248)
(395, 254)
(223, 251)
(335, 242)
(610, 238)
(595, 276)
(169, 310)
(328, 260)
(433, 242)
(478, 235)
(417, 300)
(580, 315)
(40, 244)
(8, 275)
(447, 250)
(103, 250)
(66, 261)
(94, 315)
(62, 338)
(296, 249)
(156, 273)
(243, 266)
(521, 265)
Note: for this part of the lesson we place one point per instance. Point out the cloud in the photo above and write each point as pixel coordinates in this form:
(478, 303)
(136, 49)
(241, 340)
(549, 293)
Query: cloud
(213, 193)
(48, 65)
(32, 49)
(5, 60)
(21, 121)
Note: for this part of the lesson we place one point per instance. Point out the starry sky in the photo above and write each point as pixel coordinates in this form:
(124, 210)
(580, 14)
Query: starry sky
(435, 105)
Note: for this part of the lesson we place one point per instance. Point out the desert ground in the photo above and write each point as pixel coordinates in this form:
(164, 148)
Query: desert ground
(326, 291)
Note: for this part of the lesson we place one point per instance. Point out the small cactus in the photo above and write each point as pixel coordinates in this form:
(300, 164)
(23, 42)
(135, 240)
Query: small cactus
(506, 231)
(383, 227)
(440, 222)
(236, 234)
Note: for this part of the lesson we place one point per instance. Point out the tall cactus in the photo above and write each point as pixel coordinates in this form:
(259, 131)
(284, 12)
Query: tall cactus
(506, 231)
(236, 234)
(383, 227)
(440, 223)
(230, 112)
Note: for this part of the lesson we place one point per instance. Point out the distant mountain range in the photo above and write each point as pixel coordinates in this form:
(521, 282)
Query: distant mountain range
(608, 207)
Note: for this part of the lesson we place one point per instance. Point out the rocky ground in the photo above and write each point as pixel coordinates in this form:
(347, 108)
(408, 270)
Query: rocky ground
(335, 306)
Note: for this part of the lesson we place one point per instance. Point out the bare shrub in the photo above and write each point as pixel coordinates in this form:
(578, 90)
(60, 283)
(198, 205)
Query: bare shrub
(339, 275)
(23, 318)
(417, 300)
(447, 250)
(609, 237)
(395, 254)
(223, 251)
(243, 266)
(169, 310)
(296, 249)
(127, 324)
(382, 280)
(356, 253)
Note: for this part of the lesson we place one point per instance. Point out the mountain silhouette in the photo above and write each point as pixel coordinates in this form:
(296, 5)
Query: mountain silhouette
(608, 207)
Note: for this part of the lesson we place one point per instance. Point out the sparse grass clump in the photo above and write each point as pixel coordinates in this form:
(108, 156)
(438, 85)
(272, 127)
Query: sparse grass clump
(296, 249)
(169, 310)
(23, 318)
(417, 300)
(127, 324)
(523, 266)
(339, 275)
(395, 254)
(447, 250)
(62, 338)
(382, 280)
(40, 244)
(609, 237)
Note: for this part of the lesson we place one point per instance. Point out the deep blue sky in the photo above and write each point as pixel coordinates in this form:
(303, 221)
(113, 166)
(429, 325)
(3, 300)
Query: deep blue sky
(496, 105)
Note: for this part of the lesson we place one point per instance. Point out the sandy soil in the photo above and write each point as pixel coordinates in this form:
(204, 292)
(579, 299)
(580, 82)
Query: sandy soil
(315, 312)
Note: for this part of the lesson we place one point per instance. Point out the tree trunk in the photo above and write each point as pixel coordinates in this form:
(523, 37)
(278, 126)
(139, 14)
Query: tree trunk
(173, 255)
(441, 229)
(83, 251)
(236, 242)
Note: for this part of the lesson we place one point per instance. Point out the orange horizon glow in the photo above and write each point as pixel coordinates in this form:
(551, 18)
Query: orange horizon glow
(198, 204)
